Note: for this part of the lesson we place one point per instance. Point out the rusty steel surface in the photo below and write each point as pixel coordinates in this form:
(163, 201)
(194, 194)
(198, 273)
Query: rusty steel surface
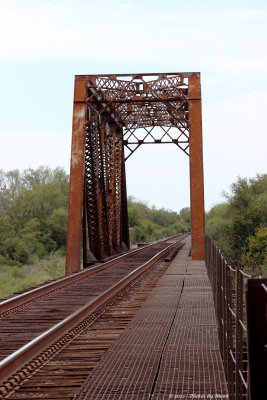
(113, 116)
(76, 189)
(196, 171)
(170, 348)
(63, 375)
(47, 320)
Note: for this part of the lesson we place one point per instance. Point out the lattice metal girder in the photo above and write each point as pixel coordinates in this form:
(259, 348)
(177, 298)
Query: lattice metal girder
(137, 100)
(153, 114)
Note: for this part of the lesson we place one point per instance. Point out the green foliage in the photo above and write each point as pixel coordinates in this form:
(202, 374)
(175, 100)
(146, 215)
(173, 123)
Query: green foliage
(17, 273)
(218, 226)
(239, 226)
(55, 266)
(134, 215)
(150, 224)
(33, 214)
(15, 279)
(255, 260)
(58, 225)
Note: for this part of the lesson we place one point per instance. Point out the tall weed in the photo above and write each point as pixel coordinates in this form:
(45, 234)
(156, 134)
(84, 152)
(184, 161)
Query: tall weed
(14, 279)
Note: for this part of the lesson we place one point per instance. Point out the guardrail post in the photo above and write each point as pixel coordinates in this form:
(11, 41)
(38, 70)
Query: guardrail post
(239, 334)
(224, 305)
(229, 332)
(220, 305)
(217, 298)
(256, 305)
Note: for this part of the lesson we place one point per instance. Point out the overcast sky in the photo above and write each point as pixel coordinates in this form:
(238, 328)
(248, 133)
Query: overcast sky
(45, 43)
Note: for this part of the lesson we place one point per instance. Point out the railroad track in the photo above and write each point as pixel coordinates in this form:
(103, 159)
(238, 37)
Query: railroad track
(39, 323)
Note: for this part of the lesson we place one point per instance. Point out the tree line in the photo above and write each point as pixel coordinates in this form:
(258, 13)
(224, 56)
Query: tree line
(148, 224)
(33, 216)
(33, 219)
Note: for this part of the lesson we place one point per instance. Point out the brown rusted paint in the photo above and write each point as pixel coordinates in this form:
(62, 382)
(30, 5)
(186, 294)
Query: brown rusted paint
(111, 192)
(80, 90)
(76, 188)
(124, 208)
(118, 109)
(196, 170)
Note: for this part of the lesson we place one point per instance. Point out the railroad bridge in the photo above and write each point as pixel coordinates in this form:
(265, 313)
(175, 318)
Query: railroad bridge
(114, 115)
(170, 320)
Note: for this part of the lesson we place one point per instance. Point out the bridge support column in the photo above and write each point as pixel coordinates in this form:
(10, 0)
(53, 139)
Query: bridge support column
(196, 169)
(76, 189)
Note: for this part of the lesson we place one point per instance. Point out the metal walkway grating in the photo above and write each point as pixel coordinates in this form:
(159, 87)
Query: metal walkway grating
(170, 348)
(191, 363)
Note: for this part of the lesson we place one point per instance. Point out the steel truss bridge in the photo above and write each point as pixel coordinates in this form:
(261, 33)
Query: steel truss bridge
(113, 116)
(172, 319)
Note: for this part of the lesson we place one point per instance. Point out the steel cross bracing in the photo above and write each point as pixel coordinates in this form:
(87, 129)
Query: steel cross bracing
(140, 104)
(113, 116)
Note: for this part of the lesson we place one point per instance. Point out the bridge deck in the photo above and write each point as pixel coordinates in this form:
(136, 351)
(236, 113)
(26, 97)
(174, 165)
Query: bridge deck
(170, 349)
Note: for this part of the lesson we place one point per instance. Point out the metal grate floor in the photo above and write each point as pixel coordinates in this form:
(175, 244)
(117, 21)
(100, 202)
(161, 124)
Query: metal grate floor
(170, 348)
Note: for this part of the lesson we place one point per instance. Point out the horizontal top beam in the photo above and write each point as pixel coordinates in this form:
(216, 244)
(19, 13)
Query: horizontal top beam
(143, 100)
(186, 74)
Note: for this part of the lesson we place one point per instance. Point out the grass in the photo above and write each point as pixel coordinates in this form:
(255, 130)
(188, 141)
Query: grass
(15, 279)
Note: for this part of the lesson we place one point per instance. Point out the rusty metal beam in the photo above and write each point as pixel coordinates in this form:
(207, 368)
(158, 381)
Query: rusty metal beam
(76, 189)
(196, 170)
(124, 207)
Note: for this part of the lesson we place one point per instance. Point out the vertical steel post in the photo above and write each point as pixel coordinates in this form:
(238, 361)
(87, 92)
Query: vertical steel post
(124, 207)
(229, 332)
(256, 305)
(224, 345)
(239, 334)
(220, 305)
(76, 188)
(196, 168)
(217, 287)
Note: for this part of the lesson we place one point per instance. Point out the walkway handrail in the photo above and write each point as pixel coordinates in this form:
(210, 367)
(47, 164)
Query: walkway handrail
(241, 325)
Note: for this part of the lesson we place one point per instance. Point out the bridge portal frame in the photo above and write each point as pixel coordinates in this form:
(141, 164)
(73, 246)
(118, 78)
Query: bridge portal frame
(107, 112)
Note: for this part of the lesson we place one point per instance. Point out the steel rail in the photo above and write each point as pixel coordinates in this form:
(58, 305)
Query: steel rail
(49, 288)
(14, 362)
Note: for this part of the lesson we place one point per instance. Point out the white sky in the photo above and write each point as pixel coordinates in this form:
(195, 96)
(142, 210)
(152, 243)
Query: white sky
(45, 43)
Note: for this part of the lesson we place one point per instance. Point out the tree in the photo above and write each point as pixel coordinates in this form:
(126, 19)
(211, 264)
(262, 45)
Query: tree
(237, 225)
(255, 260)
(33, 213)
